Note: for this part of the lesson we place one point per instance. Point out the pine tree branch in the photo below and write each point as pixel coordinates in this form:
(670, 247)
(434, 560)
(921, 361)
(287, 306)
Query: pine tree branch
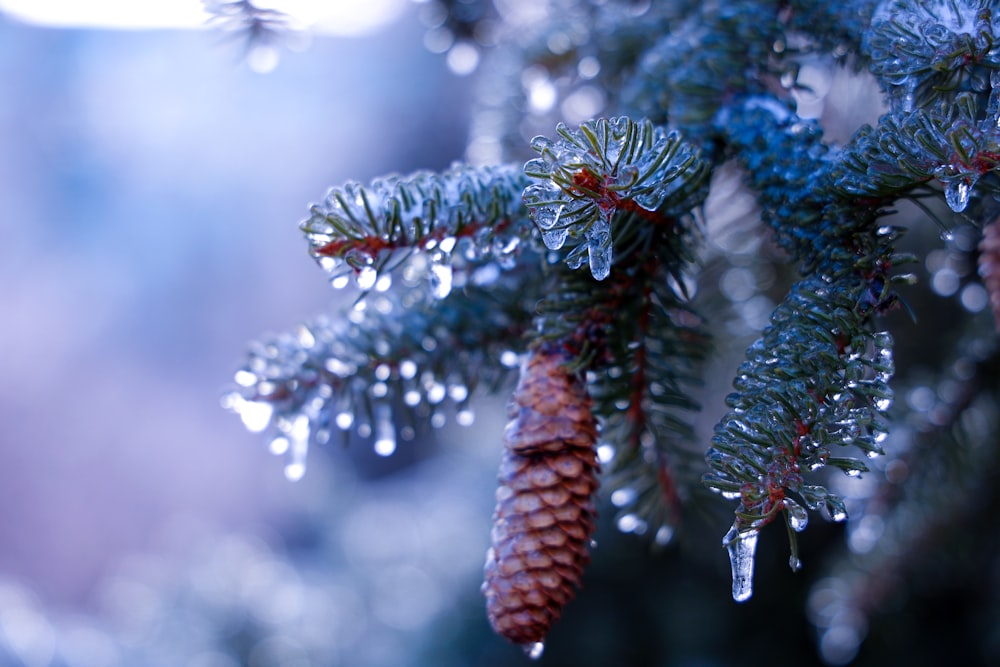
(926, 51)
(459, 219)
(399, 355)
(609, 170)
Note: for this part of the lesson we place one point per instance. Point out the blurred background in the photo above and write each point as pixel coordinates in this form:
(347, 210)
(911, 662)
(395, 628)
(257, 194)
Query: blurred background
(152, 175)
(151, 183)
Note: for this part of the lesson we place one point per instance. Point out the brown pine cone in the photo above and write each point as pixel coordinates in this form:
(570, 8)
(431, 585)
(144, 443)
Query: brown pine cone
(989, 267)
(545, 513)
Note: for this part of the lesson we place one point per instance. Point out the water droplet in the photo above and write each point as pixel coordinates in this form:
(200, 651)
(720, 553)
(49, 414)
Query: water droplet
(956, 193)
(631, 523)
(835, 506)
(279, 445)
(436, 392)
(663, 535)
(795, 563)
(623, 497)
(295, 471)
(366, 277)
(385, 431)
(555, 238)
(798, 518)
(742, 548)
(441, 280)
(465, 417)
(341, 281)
(245, 378)
(605, 453)
(407, 369)
(344, 420)
(534, 651)
(385, 446)
(256, 415)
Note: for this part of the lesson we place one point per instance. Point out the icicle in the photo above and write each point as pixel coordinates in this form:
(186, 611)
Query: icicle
(741, 547)
(599, 246)
(555, 238)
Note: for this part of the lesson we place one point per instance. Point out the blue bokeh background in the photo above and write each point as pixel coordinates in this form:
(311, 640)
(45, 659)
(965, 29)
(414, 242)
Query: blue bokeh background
(150, 189)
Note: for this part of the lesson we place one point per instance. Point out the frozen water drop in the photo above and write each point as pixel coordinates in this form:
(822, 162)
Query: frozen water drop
(605, 453)
(956, 193)
(256, 415)
(436, 392)
(663, 535)
(509, 359)
(245, 378)
(385, 446)
(448, 244)
(385, 431)
(465, 417)
(441, 280)
(742, 548)
(623, 497)
(795, 563)
(798, 518)
(279, 445)
(344, 420)
(367, 276)
(555, 238)
(341, 281)
(534, 651)
(599, 246)
(407, 369)
(295, 471)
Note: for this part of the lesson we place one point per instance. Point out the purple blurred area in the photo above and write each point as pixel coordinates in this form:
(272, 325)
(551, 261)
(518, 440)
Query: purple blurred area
(150, 190)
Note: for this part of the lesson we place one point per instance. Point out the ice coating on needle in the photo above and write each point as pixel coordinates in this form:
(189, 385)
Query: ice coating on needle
(592, 178)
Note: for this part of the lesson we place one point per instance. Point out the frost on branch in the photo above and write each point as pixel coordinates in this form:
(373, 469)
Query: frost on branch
(390, 357)
(815, 384)
(956, 144)
(459, 219)
(596, 175)
(929, 50)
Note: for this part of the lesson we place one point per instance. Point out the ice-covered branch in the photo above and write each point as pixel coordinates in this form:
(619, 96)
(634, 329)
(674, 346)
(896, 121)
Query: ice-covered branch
(461, 218)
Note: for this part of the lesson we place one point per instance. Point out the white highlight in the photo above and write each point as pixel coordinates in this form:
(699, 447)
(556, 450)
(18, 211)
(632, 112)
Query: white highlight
(337, 17)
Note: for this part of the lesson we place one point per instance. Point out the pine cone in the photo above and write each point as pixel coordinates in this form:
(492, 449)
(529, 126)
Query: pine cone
(989, 267)
(545, 513)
